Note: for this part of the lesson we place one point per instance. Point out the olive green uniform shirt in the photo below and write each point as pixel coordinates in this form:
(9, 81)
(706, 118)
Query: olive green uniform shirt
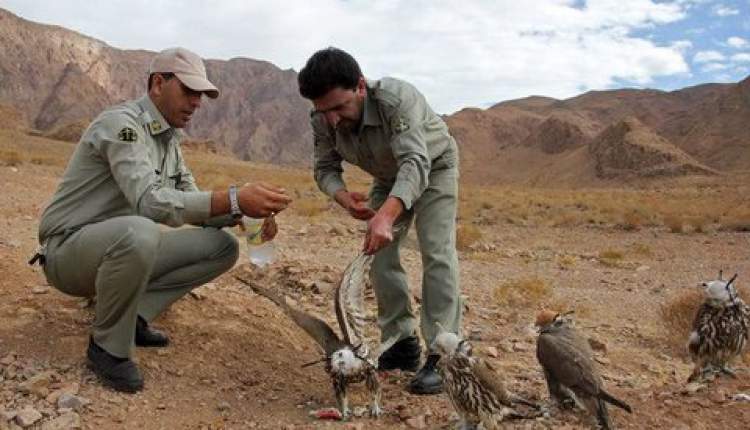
(409, 151)
(399, 141)
(128, 162)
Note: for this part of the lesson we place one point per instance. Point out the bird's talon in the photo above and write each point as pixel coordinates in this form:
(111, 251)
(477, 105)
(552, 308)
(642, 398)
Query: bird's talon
(375, 411)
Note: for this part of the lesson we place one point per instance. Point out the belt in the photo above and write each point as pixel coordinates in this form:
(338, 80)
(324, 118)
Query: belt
(41, 251)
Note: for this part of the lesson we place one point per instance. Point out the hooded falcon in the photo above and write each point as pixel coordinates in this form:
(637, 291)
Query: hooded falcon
(720, 329)
(347, 359)
(475, 388)
(569, 369)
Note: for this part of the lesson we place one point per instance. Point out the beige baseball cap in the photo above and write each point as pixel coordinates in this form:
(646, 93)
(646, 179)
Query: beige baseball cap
(187, 66)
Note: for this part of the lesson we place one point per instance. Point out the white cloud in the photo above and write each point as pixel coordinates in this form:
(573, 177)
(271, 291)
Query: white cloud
(682, 45)
(708, 56)
(737, 42)
(467, 54)
(723, 10)
(741, 58)
(725, 78)
(714, 67)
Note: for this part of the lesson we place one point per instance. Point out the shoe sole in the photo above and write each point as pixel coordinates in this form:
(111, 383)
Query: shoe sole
(403, 369)
(425, 392)
(152, 345)
(115, 385)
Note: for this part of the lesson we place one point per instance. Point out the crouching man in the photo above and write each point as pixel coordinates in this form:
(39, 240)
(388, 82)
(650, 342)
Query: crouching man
(100, 234)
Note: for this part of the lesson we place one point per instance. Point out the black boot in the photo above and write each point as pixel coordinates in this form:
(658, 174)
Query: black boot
(403, 355)
(145, 336)
(427, 380)
(118, 373)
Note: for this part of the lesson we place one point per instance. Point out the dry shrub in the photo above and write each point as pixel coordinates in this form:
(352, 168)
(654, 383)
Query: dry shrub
(739, 223)
(560, 304)
(43, 161)
(678, 311)
(522, 292)
(10, 157)
(677, 315)
(566, 261)
(491, 256)
(467, 235)
(611, 258)
(698, 223)
(641, 249)
(632, 220)
(675, 223)
(309, 206)
(566, 219)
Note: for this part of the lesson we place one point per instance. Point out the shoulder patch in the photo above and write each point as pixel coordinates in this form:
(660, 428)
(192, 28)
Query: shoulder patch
(399, 124)
(154, 126)
(127, 134)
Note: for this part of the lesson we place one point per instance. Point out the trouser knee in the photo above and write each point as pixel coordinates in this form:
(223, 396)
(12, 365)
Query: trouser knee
(140, 241)
(228, 248)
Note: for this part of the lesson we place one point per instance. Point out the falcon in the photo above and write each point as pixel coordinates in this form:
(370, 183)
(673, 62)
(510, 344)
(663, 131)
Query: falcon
(348, 358)
(720, 329)
(475, 388)
(569, 369)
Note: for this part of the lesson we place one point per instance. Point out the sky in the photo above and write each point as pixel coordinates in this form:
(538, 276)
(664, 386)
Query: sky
(472, 53)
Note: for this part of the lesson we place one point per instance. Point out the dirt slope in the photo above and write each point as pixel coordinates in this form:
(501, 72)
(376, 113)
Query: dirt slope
(236, 363)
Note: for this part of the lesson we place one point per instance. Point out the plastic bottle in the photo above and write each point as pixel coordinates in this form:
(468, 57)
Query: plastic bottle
(259, 252)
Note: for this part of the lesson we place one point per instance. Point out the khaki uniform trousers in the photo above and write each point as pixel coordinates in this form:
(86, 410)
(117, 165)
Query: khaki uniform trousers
(434, 216)
(133, 267)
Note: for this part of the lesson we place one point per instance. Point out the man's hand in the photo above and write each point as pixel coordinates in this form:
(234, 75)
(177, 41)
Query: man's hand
(380, 227)
(379, 233)
(355, 203)
(262, 200)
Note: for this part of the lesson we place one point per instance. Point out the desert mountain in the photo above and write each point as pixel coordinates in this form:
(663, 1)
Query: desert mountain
(608, 135)
(59, 79)
(56, 80)
(629, 149)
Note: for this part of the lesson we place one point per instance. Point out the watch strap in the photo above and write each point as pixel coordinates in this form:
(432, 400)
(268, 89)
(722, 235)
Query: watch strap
(234, 205)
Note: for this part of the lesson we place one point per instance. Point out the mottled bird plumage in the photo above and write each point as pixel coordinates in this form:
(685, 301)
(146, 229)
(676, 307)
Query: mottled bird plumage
(347, 359)
(570, 371)
(475, 388)
(720, 328)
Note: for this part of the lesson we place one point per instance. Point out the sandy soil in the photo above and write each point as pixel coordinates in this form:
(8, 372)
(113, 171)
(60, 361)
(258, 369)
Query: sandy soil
(236, 363)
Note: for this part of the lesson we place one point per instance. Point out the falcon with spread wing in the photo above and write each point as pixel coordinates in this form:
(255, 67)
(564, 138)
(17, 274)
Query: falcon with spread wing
(348, 358)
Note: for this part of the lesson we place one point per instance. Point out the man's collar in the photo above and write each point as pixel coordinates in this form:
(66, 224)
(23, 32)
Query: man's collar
(154, 120)
(370, 114)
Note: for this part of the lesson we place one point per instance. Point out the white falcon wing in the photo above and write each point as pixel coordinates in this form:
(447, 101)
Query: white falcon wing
(350, 302)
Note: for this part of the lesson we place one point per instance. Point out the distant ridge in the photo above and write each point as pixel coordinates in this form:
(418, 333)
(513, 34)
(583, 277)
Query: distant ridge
(606, 137)
(56, 80)
(59, 78)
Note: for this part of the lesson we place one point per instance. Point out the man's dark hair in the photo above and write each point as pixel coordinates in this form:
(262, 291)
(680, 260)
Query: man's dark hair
(327, 69)
(166, 76)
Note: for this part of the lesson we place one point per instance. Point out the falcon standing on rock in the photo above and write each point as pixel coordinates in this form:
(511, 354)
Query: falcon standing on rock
(347, 359)
(569, 369)
(476, 390)
(720, 329)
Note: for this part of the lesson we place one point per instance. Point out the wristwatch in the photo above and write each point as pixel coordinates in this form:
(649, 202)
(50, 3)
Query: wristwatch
(234, 205)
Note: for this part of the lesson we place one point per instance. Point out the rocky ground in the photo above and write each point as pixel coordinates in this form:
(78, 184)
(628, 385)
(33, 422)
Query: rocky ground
(235, 362)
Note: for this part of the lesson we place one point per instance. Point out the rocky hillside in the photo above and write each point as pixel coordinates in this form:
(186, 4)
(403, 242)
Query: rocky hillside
(628, 148)
(604, 136)
(58, 78)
